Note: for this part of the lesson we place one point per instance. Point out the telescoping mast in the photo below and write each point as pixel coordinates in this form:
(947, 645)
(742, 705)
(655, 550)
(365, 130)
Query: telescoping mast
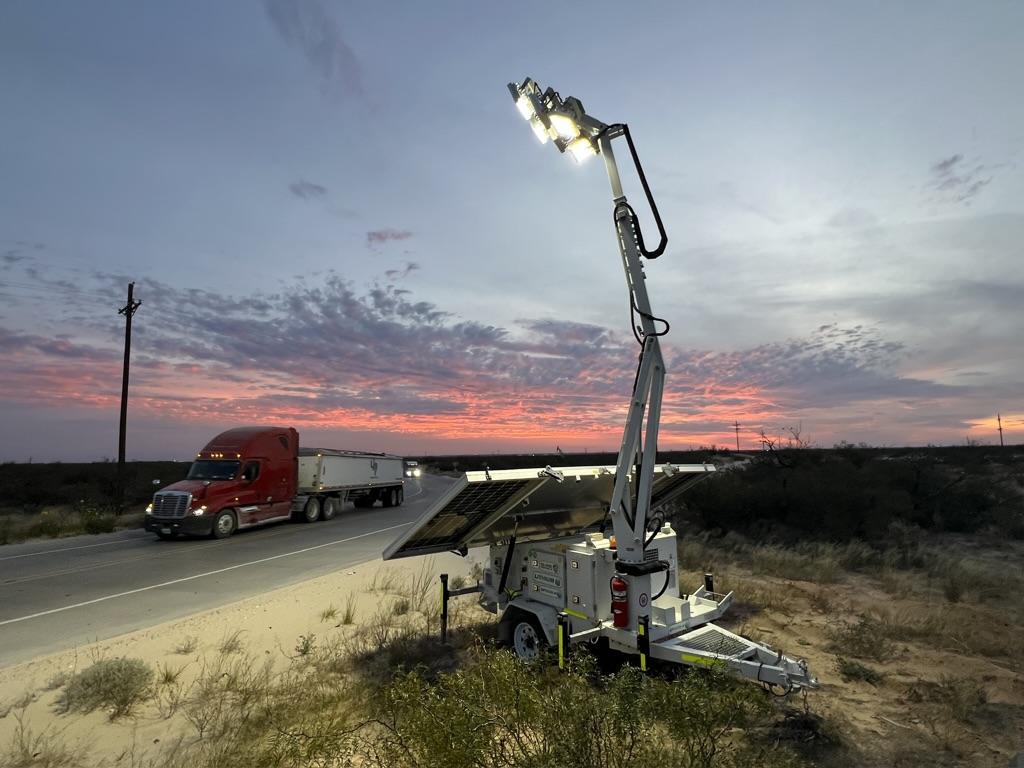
(552, 571)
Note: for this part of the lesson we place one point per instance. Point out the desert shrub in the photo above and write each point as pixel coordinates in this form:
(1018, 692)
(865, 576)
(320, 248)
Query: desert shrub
(116, 685)
(850, 670)
(497, 712)
(98, 523)
(847, 494)
(962, 696)
(867, 639)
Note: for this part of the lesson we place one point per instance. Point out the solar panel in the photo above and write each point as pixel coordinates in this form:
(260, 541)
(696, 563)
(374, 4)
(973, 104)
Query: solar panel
(485, 507)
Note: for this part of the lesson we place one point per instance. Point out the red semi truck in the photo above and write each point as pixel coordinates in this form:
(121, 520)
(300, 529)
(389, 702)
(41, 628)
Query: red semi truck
(255, 475)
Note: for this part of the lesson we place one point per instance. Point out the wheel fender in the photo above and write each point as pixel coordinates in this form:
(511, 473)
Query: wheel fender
(546, 616)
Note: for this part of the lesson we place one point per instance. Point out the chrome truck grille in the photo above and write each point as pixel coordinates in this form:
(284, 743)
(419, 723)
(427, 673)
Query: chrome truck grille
(171, 503)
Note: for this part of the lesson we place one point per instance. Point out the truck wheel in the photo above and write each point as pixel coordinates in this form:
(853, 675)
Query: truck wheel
(224, 524)
(524, 635)
(389, 497)
(329, 508)
(401, 497)
(311, 512)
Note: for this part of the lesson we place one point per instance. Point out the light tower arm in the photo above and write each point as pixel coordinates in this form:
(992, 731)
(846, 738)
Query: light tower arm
(638, 450)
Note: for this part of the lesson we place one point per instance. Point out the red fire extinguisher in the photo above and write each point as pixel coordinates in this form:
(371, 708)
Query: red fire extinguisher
(620, 602)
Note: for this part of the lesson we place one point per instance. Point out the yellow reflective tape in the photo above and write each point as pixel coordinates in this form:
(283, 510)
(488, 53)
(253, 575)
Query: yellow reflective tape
(561, 646)
(640, 629)
(577, 614)
(440, 611)
(643, 662)
(700, 661)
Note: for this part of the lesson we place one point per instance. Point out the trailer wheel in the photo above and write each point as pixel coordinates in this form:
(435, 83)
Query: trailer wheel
(224, 524)
(401, 497)
(523, 634)
(311, 512)
(329, 508)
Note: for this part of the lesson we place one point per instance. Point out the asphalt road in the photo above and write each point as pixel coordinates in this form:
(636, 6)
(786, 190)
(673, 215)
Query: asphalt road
(60, 593)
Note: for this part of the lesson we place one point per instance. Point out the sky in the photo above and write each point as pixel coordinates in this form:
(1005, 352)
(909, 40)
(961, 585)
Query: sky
(335, 219)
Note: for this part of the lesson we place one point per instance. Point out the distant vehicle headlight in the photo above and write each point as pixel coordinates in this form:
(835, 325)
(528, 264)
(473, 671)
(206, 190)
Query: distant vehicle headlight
(149, 509)
(198, 511)
(416, 473)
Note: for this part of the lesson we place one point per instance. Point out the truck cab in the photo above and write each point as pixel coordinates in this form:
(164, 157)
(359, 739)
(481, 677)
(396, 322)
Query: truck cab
(241, 478)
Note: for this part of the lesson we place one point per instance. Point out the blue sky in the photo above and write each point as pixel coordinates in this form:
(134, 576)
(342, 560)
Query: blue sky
(335, 218)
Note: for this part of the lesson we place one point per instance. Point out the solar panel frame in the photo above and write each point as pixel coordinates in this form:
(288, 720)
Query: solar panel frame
(485, 507)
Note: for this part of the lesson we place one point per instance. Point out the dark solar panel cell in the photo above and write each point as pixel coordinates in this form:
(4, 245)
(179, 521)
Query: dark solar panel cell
(463, 513)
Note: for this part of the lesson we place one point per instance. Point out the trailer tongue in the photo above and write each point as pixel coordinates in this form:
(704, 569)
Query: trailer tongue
(552, 570)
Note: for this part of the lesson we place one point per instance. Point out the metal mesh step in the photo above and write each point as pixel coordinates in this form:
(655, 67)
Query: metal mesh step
(714, 641)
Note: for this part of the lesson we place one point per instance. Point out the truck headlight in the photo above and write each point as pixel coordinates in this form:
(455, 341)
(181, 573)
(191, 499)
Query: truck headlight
(416, 473)
(198, 511)
(149, 509)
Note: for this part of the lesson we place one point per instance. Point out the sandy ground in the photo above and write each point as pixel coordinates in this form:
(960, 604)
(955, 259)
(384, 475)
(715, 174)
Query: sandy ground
(901, 720)
(268, 626)
(897, 721)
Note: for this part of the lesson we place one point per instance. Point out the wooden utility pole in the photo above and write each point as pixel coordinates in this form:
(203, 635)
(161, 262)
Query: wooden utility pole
(128, 310)
(999, 418)
(737, 425)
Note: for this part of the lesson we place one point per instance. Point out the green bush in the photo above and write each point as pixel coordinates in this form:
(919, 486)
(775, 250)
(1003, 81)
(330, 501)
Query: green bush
(116, 685)
(498, 712)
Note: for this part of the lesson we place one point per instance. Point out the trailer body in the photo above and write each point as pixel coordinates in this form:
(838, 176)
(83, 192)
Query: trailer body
(550, 566)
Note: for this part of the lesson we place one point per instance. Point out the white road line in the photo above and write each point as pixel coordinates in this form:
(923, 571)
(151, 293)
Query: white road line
(197, 576)
(68, 549)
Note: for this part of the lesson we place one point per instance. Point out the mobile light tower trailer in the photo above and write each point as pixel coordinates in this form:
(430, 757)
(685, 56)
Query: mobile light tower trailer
(552, 570)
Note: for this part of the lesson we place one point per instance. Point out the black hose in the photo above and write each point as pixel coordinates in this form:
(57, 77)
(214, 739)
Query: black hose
(668, 575)
(663, 241)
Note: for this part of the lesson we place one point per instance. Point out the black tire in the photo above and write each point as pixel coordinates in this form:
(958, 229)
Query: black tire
(401, 496)
(224, 524)
(388, 499)
(311, 512)
(329, 508)
(521, 632)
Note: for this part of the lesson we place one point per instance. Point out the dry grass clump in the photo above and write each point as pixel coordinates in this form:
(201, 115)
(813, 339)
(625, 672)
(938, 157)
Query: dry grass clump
(43, 749)
(231, 643)
(330, 613)
(186, 646)
(116, 685)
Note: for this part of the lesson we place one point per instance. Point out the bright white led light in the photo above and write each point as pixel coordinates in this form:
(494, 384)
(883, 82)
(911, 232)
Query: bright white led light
(539, 129)
(581, 149)
(525, 106)
(564, 126)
